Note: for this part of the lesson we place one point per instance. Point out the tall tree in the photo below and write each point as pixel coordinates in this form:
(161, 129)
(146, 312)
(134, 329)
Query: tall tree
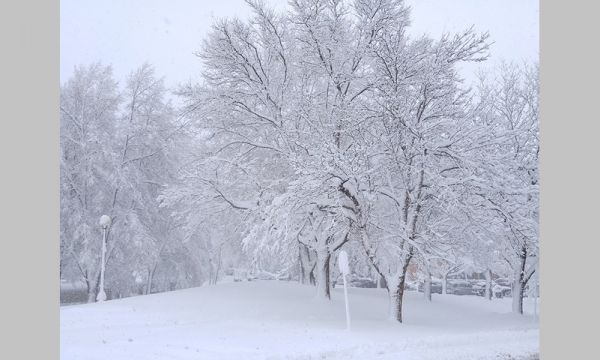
(89, 106)
(510, 107)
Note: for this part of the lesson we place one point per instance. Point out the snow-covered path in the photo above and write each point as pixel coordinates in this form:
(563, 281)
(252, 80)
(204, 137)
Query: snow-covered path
(283, 320)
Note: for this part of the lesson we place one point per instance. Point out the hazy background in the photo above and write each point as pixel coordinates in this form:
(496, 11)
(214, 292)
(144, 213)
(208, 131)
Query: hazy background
(167, 33)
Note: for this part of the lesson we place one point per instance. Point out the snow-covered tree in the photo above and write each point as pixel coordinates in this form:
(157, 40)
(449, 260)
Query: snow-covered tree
(358, 118)
(115, 159)
(510, 108)
(321, 128)
(423, 130)
(89, 104)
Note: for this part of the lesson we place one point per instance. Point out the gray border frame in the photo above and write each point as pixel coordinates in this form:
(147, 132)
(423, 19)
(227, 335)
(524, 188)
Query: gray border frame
(569, 179)
(29, 165)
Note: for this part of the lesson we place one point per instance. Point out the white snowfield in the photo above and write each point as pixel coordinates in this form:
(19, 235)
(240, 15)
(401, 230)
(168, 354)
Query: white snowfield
(284, 320)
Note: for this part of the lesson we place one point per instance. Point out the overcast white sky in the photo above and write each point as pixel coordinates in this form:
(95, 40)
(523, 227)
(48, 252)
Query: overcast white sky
(166, 33)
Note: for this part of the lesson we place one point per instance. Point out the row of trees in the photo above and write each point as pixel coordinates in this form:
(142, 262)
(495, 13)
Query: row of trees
(316, 129)
(118, 152)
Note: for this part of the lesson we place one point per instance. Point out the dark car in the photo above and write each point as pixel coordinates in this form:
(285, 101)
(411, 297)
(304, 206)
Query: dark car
(363, 283)
(354, 281)
(459, 287)
(501, 291)
(478, 287)
(503, 281)
(502, 287)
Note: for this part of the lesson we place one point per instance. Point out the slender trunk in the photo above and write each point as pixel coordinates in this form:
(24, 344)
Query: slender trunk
(427, 286)
(445, 283)
(148, 283)
(150, 279)
(304, 264)
(519, 283)
(517, 297)
(395, 286)
(395, 300)
(382, 281)
(323, 281)
(92, 290)
(91, 296)
(211, 271)
(488, 284)
(219, 262)
(303, 277)
(396, 296)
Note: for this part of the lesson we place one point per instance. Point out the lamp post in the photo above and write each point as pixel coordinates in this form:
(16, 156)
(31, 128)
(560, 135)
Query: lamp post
(345, 270)
(105, 223)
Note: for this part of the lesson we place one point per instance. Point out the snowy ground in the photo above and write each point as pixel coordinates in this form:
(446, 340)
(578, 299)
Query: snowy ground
(283, 320)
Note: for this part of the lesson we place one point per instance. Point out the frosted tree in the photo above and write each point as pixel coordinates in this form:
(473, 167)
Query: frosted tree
(510, 107)
(209, 204)
(304, 216)
(269, 111)
(323, 95)
(424, 130)
(328, 124)
(145, 165)
(115, 159)
(88, 111)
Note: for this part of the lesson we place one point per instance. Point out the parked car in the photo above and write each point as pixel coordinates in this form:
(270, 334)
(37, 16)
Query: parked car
(501, 291)
(478, 287)
(459, 287)
(503, 281)
(355, 281)
(436, 287)
(363, 283)
(502, 287)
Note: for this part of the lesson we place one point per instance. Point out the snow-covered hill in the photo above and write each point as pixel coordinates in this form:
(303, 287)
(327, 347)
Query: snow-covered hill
(283, 320)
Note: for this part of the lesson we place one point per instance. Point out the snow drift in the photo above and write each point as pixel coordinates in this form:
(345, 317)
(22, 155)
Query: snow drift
(284, 320)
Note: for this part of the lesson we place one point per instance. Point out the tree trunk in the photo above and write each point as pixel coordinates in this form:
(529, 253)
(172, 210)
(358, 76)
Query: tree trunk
(518, 287)
(396, 295)
(322, 269)
(445, 283)
(91, 293)
(382, 282)
(211, 271)
(488, 284)
(150, 278)
(427, 286)
(303, 278)
(517, 296)
(218, 267)
(395, 286)
(303, 260)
